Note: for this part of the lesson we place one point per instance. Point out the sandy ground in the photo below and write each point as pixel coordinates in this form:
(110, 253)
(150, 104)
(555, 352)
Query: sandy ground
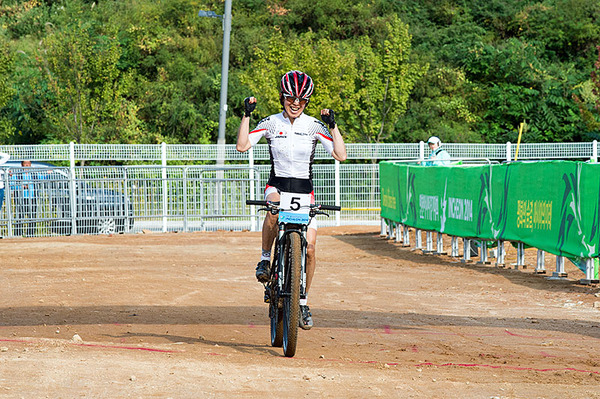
(182, 316)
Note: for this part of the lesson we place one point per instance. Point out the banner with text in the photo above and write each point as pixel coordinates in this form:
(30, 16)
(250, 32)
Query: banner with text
(553, 205)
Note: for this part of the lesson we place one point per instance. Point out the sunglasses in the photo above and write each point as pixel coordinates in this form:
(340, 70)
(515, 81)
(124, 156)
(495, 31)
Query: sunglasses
(291, 100)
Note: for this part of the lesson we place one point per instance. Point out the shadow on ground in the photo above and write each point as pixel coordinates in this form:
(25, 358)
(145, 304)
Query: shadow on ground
(245, 315)
(381, 246)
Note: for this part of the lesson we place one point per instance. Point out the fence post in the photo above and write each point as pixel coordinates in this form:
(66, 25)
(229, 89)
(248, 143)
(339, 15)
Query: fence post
(454, 247)
(428, 242)
(483, 256)
(127, 195)
(71, 155)
(508, 151)
(338, 217)
(466, 250)
(560, 272)
(405, 236)
(73, 199)
(591, 274)
(440, 244)
(501, 254)
(165, 197)
(72, 189)
(520, 256)
(8, 201)
(594, 151)
(418, 239)
(185, 199)
(421, 151)
(253, 220)
(540, 268)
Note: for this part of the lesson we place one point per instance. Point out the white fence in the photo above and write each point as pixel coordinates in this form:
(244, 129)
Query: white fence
(356, 151)
(46, 200)
(208, 195)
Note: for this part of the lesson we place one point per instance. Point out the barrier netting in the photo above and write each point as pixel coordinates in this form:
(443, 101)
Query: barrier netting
(550, 205)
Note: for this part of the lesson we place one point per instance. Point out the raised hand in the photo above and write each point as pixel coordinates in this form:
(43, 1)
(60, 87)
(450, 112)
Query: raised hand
(328, 116)
(249, 105)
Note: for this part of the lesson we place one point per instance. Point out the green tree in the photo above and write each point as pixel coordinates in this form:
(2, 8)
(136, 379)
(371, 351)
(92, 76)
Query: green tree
(330, 67)
(6, 93)
(444, 104)
(588, 100)
(383, 83)
(86, 100)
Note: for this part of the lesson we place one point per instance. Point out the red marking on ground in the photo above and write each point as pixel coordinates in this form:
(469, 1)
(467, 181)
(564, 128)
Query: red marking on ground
(13, 340)
(507, 367)
(521, 335)
(408, 331)
(139, 348)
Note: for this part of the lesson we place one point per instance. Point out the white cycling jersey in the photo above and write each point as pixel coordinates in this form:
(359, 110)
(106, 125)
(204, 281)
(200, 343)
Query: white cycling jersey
(292, 146)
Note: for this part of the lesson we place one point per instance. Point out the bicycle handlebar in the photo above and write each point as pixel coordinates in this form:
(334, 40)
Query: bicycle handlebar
(256, 202)
(321, 207)
(330, 207)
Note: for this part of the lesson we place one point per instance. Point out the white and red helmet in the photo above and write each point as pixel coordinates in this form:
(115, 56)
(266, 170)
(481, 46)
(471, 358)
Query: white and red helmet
(296, 84)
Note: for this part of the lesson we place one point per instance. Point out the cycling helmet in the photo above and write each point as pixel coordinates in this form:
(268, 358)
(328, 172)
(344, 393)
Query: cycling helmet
(296, 84)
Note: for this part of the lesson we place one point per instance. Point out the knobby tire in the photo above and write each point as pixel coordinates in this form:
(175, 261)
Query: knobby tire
(275, 308)
(276, 324)
(291, 303)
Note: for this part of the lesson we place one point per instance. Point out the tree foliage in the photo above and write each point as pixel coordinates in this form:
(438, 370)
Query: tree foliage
(6, 92)
(149, 70)
(86, 100)
(384, 81)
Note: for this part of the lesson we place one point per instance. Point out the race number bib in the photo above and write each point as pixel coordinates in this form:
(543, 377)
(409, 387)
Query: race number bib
(294, 208)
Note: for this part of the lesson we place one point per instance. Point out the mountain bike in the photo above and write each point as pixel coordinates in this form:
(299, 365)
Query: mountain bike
(287, 283)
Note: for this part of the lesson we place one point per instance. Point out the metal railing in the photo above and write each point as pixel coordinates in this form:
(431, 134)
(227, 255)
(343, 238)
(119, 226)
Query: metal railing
(162, 197)
(47, 200)
(356, 151)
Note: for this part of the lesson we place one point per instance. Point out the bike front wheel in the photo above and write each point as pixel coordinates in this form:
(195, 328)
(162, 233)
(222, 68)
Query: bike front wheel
(291, 302)
(276, 315)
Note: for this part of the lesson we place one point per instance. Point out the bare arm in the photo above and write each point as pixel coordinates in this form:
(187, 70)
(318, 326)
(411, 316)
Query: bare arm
(243, 141)
(339, 147)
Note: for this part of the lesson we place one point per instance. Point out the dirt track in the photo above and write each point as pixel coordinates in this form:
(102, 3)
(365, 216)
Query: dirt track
(181, 316)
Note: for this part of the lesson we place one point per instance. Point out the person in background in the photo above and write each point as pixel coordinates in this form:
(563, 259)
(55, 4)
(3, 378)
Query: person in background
(23, 183)
(3, 159)
(438, 156)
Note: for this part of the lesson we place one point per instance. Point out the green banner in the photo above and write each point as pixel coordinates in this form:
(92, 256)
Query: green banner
(553, 205)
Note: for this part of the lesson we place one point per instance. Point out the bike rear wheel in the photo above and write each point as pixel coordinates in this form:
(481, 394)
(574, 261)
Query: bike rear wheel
(291, 303)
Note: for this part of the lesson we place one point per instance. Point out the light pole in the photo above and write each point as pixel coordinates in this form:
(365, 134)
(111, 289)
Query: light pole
(226, 17)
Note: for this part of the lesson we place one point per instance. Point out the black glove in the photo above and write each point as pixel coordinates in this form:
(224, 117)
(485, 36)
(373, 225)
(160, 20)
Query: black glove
(248, 106)
(329, 119)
